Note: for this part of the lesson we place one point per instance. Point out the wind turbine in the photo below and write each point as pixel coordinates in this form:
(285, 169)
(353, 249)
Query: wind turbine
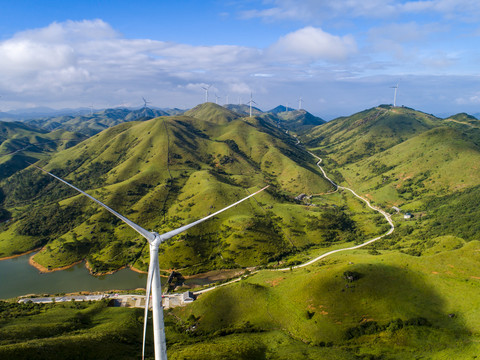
(251, 102)
(395, 95)
(206, 91)
(216, 99)
(300, 103)
(145, 102)
(153, 279)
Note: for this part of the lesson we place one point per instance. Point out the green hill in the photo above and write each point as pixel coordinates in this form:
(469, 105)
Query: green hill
(296, 120)
(21, 144)
(348, 139)
(163, 173)
(404, 158)
(396, 307)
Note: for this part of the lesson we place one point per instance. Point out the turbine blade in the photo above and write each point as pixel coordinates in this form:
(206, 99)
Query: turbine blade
(147, 303)
(146, 234)
(169, 234)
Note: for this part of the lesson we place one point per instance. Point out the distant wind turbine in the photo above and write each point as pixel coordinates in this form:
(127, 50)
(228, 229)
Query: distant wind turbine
(153, 279)
(216, 99)
(300, 104)
(206, 91)
(145, 103)
(394, 95)
(251, 102)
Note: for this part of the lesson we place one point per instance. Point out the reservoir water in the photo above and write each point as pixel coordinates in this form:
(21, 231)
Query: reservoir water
(17, 278)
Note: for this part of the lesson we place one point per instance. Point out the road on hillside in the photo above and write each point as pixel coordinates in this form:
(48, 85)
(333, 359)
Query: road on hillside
(385, 215)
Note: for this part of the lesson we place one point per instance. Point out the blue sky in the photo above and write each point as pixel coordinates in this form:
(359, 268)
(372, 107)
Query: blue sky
(340, 56)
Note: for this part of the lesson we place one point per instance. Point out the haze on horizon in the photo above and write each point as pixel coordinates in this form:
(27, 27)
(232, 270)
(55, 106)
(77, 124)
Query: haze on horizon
(340, 57)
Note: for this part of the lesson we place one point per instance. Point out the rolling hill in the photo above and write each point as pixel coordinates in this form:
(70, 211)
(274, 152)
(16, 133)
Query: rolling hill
(413, 161)
(21, 144)
(163, 173)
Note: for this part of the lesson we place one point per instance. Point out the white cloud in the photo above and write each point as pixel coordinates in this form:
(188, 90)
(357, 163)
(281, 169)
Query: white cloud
(314, 10)
(312, 43)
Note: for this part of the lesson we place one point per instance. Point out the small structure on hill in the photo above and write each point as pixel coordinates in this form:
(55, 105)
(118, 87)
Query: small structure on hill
(300, 197)
(408, 215)
(188, 297)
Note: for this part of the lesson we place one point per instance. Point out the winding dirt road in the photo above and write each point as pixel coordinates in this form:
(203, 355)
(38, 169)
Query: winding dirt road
(310, 262)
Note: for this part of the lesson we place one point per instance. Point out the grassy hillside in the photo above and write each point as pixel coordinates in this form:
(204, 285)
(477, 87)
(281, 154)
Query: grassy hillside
(385, 305)
(163, 173)
(411, 160)
(349, 139)
(21, 144)
(295, 120)
(397, 307)
(69, 331)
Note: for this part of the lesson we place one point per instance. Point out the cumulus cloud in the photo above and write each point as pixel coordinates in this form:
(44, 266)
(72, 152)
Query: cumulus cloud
(314, 44)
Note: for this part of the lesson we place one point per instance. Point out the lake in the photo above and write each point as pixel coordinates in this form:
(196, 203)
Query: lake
(17, 278)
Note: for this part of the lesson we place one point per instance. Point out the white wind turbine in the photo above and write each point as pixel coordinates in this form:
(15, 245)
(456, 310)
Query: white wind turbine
(250, 103)
(153, 279)
(300, 101)
(395, 95)
(216, 99)
(206, 91)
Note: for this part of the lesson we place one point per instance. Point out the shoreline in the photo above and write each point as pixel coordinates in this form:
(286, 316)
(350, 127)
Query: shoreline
(42, 269)
(45, 270)
(18, 255)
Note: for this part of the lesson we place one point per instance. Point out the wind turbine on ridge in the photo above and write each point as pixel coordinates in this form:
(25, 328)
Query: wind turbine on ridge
(216, 99)
(395, 95)
(300, 101)
(153, 279)
(251, 102)
(145, 102)
(206, 91)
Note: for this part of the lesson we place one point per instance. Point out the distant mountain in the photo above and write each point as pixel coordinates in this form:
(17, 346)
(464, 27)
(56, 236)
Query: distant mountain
(94, 123)
(295, 120)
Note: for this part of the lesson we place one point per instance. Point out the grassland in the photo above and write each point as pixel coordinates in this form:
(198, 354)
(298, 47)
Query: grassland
(69, 331)
(400, 307)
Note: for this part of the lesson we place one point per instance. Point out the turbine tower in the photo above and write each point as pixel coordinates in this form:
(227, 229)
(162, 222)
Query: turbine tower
(394, 95)
(216, 99)
(300, 103)
(206, 91)
(251, 102)
(153, 279)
